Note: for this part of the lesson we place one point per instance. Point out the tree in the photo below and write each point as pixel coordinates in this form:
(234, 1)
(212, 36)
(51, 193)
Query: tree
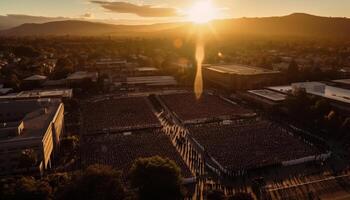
(96, 182)
(64, 66)
(59, 180)
(156, 178)
(26, 51)
(70, 143)
(28, 159)
(346, 126)
(31, 189)
(293, 71)
(241, 196)
(333, 122)
(215, 195)
(298, 102)
(320, 109)
(13, 81)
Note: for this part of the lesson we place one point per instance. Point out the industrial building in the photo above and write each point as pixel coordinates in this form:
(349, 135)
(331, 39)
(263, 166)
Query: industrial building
(240, 77)
(35, 125)
(37, 94)
(338, 97)
(343, 83)
(264, 98)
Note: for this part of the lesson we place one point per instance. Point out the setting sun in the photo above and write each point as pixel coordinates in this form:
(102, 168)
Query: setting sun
(202, 12)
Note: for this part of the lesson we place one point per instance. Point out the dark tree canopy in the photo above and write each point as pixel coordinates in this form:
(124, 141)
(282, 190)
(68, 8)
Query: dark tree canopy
(215, 195)
(98, 182)
(25, 51)
(64, 66)
(26, 188)
(241, 196)
(28, 159)
(156, 178)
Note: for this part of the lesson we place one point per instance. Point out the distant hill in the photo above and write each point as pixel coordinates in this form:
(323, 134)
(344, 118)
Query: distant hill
(13, 20)
(69, 27)
(83, 28)
(298, 24)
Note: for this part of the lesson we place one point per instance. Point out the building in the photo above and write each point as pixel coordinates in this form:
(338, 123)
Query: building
(343, 83)
(4, 91)
(54, 84)
(81, 76)
(146, 71)
(240, 77)
(264, 98)
(146, 82)
(151, 81)
(37, 94)
(110, 63)
(29, 125)
(111, 66)
(34, 81)
(338, 97)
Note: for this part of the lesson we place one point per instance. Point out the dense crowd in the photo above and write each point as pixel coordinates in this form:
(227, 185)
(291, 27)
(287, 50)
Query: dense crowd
(118, 114)
(310, 187)
(252, 145)
(120, 150)
(187, 107)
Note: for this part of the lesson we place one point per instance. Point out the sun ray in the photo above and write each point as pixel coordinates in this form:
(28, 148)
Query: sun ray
(202, 12)
(200, 53)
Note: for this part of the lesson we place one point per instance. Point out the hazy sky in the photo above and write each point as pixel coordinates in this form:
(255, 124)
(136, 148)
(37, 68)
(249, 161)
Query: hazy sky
(167, 10)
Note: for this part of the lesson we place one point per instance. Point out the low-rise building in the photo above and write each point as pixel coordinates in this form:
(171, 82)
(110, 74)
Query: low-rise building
(240, 77)
(338, 97)
(33, 81)
(264, 98)
(35, 125)
(37, 94)
(343, 83)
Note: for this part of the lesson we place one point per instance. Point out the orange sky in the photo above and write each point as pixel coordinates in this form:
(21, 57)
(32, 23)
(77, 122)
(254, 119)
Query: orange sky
(153, 11)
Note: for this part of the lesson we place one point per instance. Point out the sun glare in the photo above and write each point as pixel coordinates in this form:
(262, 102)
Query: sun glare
(202, 12)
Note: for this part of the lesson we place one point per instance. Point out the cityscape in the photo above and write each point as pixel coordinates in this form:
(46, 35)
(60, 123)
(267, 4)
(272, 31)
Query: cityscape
(174, 100)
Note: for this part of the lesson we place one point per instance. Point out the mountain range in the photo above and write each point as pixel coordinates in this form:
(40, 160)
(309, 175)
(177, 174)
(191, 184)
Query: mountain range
(297, 24)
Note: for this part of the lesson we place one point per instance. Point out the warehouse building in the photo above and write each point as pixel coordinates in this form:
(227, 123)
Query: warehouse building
(240, 77)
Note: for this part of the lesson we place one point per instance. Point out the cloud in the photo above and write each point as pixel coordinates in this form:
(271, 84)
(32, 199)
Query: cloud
(87, 15)
(140, 10)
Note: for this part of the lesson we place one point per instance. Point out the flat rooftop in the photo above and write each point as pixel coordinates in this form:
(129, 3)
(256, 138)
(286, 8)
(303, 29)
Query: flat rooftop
(250, 145)
(269, 94)
(35, 78)
(111, 62)
(282, 88)
(318, 89)
(57, 93)
(240, 69)
(343, 81)
(82, 75)
(147, 69)
(152, 80)
(35, 114)
(5, 90)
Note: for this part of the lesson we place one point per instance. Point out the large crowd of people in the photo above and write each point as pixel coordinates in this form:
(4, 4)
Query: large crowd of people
(252, 145)
(111, 114)
(325, 186)
(187, 107)
(120, 150)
